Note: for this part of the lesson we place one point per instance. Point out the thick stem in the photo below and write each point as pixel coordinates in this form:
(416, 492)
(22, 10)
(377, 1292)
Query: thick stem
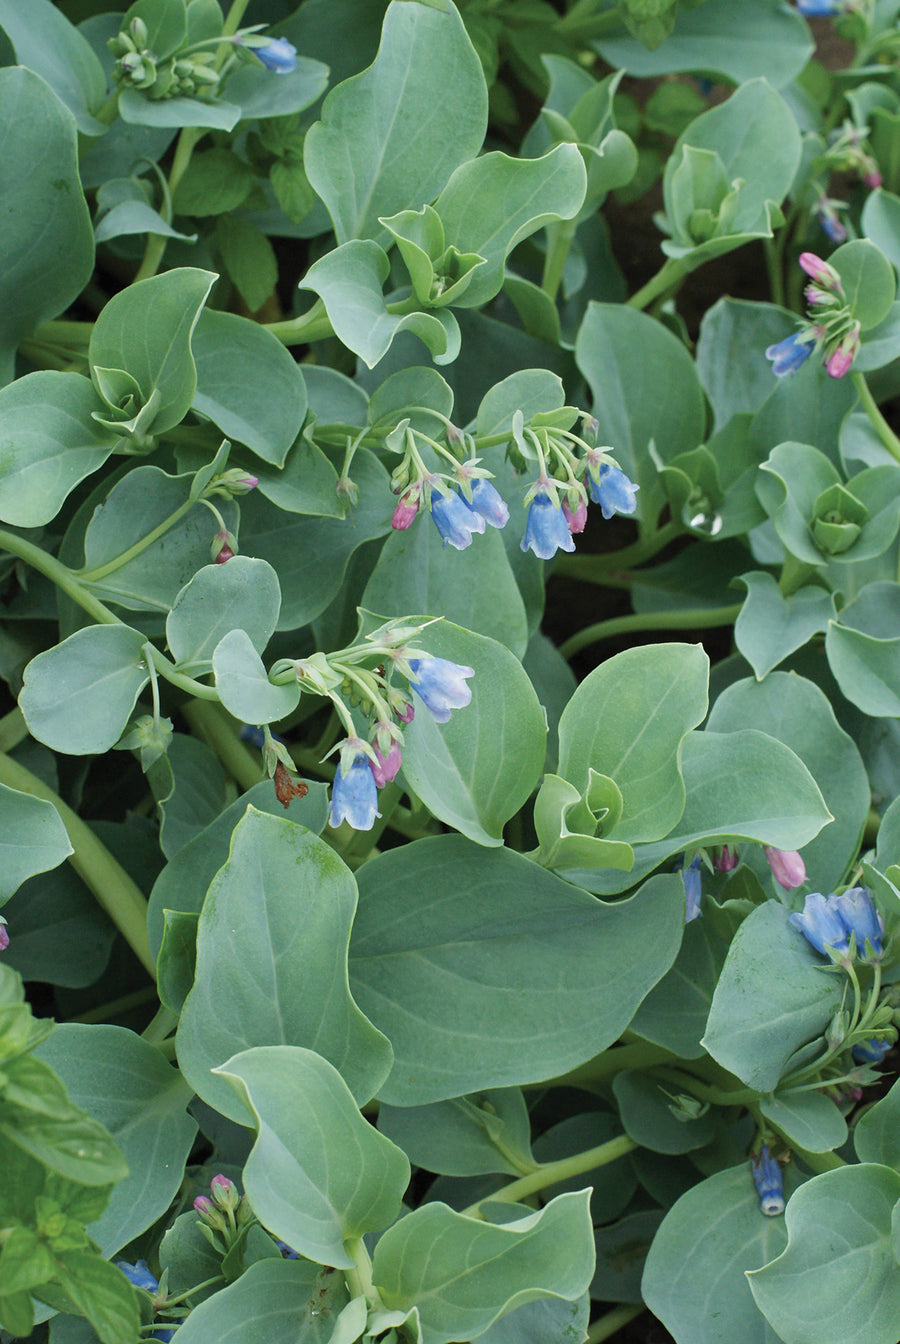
(217, 729)
(666, 278)
(13, 730)
(610, 1323)
(603, 1067)
(559, 240)
(313, 325)
(115, 891)
(696, 618)
(551, 1173)
(870, 406)
(156, 243)
(594, 568)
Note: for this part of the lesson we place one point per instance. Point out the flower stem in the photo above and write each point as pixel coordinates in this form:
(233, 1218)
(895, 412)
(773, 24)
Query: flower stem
(612, 1321)
(870, 406)
(605, 1066)
(551, 1173)
(101, 571)
(696, 618)
(13, 730)
(115, 891)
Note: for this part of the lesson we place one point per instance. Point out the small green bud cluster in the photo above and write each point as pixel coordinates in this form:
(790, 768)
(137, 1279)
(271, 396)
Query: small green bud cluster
(182, 75)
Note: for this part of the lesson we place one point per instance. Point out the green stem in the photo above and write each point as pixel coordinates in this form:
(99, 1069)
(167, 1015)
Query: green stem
(551, 1173)
(359, 1279)
(666, 278)
(593, 568)
(870, 406)
(218, 730)
(773, 266)
(697, 618)
(577, 29)
(105, 1011)
(603, 1067)
(156, 243)
(72, 335)
(313, 325)
(13, 730)
(115, 891)
(163, 1023)
(101, 571)
(610, 1323)
(559, 239)
(65, 579)
(235, 15)
(819, 1162)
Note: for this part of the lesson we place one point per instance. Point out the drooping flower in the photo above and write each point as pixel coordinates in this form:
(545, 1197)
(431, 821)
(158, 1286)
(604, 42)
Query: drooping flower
(826, 212)
(820, 8)
(769, 1182)
(287, 1252)
(859, 914)
(204, 1206)
(278, 55)
(354, 796)
(4, 936)
(727, 859)
(576, 518)
(788, 868)
(139, 1274)
(693, 884)
(487, 500)
(842, 357)
(388, 765)
(612, 490)
(546, 529)
(789, 354)
(821, 924)
(407, 508)
(441, 685)
(870, 1052)
(455, 521)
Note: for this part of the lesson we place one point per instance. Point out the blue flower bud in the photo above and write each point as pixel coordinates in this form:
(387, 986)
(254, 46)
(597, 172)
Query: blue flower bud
(546, 529)
(441, 685)
(138, 1274)
(354, 796)
(821, 924)
(692, 887)
(612, 490)
(279, 56)
(455, 521)
(769, 1182)
(817, 8)
(789, 354)
(870, 1052)
(860, 916)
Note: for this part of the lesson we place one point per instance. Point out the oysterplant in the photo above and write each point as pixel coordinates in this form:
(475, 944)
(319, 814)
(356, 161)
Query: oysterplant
(450, 640)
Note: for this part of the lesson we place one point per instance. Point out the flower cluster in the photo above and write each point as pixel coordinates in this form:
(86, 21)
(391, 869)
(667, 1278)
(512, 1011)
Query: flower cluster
(842, 925)
(464, 502)
(223, 1213)
(361, 678)
(194, 71)
(832, 328)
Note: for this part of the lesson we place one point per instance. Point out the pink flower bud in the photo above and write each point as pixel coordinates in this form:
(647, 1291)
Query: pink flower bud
(788, 868)
(4, 936)
(575, 518)
(820, 271)
(223, 547)
(408, 713)
(840, 359)
(388, 765)
(224, 555)
(406, 510)
(204, 1206)
(727, 859)
(224, 1192)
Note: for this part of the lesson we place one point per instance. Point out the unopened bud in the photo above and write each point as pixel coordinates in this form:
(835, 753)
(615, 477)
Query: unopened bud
(788, 868)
